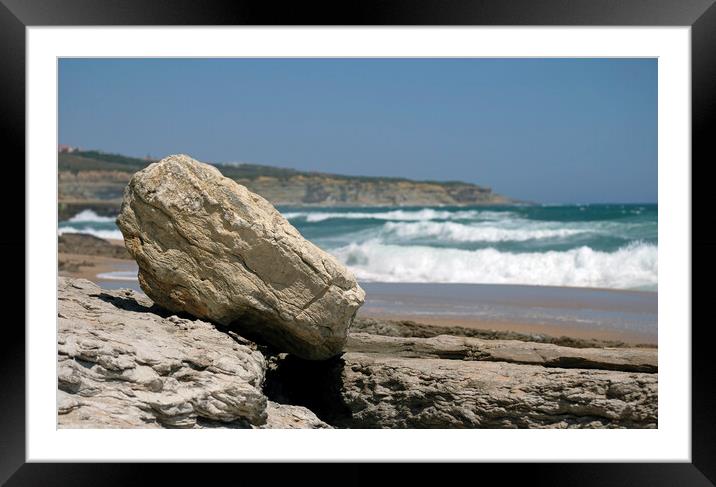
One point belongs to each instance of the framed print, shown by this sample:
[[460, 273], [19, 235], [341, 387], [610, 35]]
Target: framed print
[[408, 232]]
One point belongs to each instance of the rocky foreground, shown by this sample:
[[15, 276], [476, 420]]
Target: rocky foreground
[[126, 363]]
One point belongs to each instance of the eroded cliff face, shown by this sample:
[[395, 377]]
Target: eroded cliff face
[[337, 191], [104, 189], [89, 183]]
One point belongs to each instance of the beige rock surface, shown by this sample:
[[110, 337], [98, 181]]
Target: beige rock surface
[[514, 351], [286, 416], [388, 392], [125, 363], [207, 246], [120, 365], [459, 382]]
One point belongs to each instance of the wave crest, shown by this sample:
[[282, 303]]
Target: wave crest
[[425, 214], [86, 216], [634, 266], [458, 232]]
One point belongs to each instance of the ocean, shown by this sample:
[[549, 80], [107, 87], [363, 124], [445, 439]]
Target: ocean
[[600, 246]]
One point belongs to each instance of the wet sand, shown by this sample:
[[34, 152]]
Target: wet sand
[[84, 266], [525, 328], [603, 314], [89, 266]]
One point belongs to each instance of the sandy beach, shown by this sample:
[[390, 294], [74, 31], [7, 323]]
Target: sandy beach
[[584, 313], [587, 313], [88, 257], [552, 330]]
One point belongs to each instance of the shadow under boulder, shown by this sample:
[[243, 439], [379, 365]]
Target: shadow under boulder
[[316, 385]]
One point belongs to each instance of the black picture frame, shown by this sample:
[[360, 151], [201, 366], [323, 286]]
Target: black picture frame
[[700, 15]]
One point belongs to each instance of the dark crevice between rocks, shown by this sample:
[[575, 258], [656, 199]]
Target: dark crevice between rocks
[[213, 424], [194, 365], [87, 364], [585, 363], [313, 384], [291, 380], [69, 386]]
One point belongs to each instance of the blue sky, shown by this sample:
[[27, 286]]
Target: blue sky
[[546, 130]]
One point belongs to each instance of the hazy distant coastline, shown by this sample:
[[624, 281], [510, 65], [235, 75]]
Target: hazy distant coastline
[[92, 180]]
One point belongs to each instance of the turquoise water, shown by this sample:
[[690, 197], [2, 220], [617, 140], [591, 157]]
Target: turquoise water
[[605, 246]]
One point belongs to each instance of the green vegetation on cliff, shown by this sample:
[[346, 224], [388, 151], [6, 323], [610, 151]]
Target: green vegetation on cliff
[[95, 180], [75, 162]]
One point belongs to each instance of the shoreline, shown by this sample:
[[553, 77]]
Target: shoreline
[[120, 243], [550, 330], [87, 266], [556, 311]]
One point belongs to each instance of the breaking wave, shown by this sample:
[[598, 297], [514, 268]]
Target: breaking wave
[[606, 246], [458, 232], [90, 216], [119, 276], [634, 266], [425, 214]]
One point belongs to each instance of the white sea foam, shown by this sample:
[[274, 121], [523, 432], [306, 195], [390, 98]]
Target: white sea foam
[[631, 267], [396, 246], [101, 233], [119, 276], [476, 232], [90, 216], [425, 214]]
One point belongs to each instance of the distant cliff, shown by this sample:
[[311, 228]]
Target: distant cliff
[[95, 180]]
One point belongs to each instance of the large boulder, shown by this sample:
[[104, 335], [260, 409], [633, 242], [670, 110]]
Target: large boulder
[[207, 246]]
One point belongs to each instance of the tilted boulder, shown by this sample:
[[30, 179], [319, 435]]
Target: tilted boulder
[[207, 246]]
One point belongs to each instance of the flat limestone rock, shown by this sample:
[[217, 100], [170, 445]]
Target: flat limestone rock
[[207, 246], [396, 392], [461, 382], [121, 365], [124, 363], [514, 351]]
